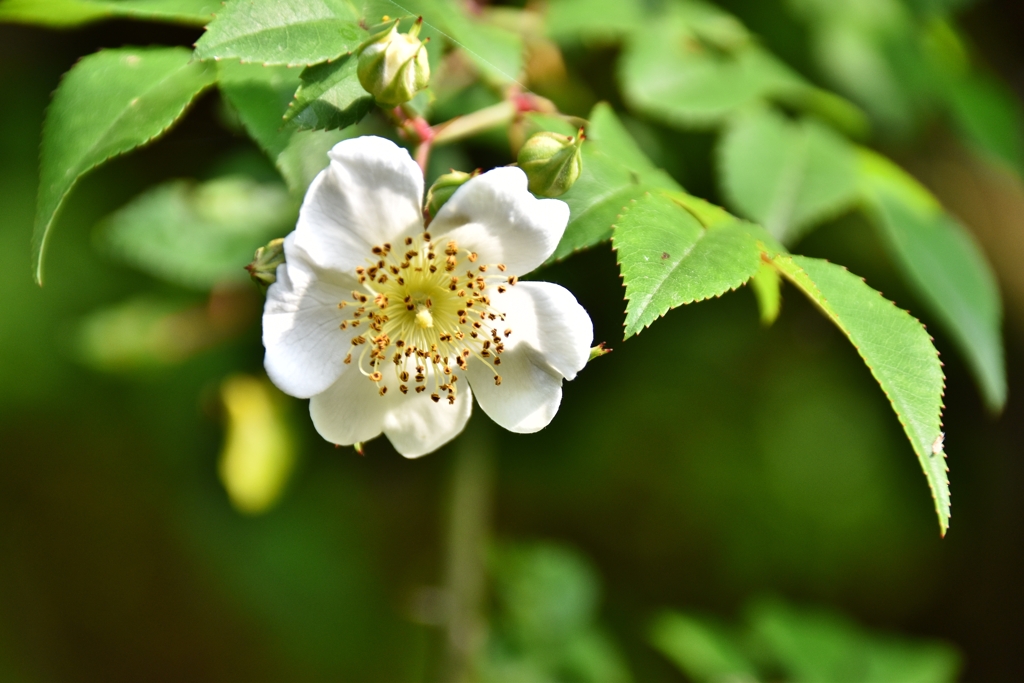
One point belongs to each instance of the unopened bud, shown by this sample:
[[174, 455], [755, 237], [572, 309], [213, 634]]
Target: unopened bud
[[263, 269], [393, 66], [552, 162], [598, 351], [443, 189]]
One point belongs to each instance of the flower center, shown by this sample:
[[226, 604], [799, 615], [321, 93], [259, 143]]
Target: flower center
[[424, 318]]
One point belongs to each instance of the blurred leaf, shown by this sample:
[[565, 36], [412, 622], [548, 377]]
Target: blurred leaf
[[896, 348], [667, 258], [143, 333], [68, 13], [812, 645], [705, 652], [615, 172], [944, 264], [785, 175], [991, 118], [670, 75], [767, 285], [259, 448], [285, 32], [109, 103], [330, 96], [261, 96], [592, 20], [543, 629], [199, 235]]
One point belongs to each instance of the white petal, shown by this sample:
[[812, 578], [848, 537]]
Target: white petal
[[353, 410], [528, 397], [350, 410], [419, 426], [547, 318], [371, 193], [496, 216], [550, 340], [305, 348]]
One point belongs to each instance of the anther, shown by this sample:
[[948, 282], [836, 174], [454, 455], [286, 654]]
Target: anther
[[376, 377], [404, 389], [383, 390], [497, 380], [435, 398]]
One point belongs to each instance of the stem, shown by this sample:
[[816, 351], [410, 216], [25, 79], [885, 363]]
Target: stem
[[466, 572], [462, 127]]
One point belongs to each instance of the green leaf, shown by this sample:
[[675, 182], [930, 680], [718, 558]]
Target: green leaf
[[667, 258], [615, 172], [261, 95], [990, 116], [68, 13], [815, 645], [198, 235], [330, 96], [702, 650], [283, 32], [945, 266], [668, 74], [592, 20], [109, 103], [898, 351], [785, 175]]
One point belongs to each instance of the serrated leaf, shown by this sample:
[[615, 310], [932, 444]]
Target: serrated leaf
[[261, 95], [615, 172], [897, 350], [282, 32], [109, 103], [330, 96], [945, 266], [198, 235], [670, 75], [68, 13], [786, 175], [667, 258]]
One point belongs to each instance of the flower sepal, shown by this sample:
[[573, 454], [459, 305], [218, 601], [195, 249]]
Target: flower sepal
[[263, 269]]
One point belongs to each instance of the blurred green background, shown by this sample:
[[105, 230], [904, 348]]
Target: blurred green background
[[709, 466]]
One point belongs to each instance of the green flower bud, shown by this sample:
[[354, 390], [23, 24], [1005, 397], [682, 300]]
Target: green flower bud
[[443, 189], [393, 66], [263, 269], [552, 162]]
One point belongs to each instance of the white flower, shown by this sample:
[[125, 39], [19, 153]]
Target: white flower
[[385, 327]]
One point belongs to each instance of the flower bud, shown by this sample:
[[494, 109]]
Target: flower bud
[[552, 162], [443, 189], [393, 66], [263, 269]]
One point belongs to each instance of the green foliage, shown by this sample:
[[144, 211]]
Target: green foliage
[[546, 600], [898, 351], [767, 286], [786, 175], [260, 96], [198, 235], [667, 258], [780, 642], [284, 32], [142, 333], [70, 13], [615, 172], [945, 266], [330, 96], [108, 104], [703, 650], [592, 20], [668, 74]]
